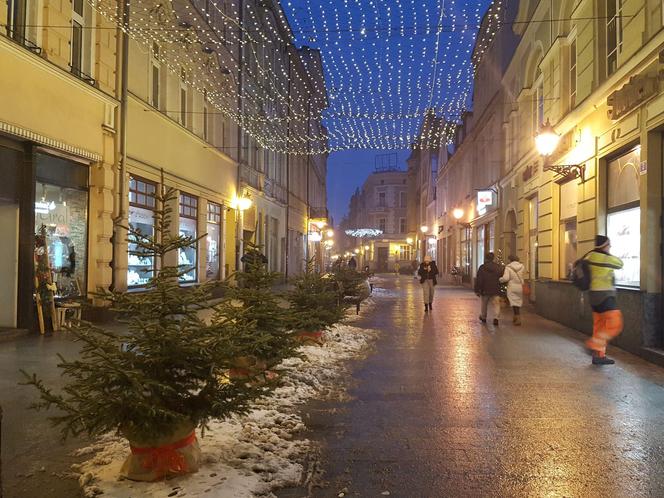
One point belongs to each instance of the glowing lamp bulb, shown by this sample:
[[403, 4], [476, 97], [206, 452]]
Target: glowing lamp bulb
[[547, 140]]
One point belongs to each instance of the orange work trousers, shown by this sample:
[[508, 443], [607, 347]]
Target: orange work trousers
[[606, 326]]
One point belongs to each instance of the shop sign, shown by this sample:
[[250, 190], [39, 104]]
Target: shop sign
[[484, 200], [637, 90], [643, 168]]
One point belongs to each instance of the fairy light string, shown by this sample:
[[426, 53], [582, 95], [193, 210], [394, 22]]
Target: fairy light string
[[389, 67]]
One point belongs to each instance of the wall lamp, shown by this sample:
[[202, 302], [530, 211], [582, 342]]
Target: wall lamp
[[546, 142]]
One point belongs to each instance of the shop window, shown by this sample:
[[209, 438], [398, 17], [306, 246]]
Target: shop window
[[62, 213], [492, 236], [142, 204], [466, 250], [187, 256], [213, 241], [480, 244], [533, 260], [623, 221], [568, 240], [405, 252]]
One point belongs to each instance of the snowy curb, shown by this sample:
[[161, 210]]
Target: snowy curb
[[245, 456]]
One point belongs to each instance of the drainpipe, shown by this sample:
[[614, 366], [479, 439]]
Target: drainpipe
[[122, 142], [239, 215]]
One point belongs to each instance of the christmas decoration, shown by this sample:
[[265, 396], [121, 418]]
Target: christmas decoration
[[166, 376], [254, 299], [315, 304], [386, 66]]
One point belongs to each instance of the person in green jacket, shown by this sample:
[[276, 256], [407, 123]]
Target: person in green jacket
[[607, 317]]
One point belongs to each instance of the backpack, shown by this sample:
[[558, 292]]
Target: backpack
[[581, 274]]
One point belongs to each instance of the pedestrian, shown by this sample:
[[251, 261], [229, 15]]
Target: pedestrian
[[513, 277], [487, 287], [253, 259], [607, 317], [397, 267], [352, 263], [428, 272]]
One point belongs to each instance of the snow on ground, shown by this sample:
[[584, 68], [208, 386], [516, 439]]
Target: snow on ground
[[245, 456]]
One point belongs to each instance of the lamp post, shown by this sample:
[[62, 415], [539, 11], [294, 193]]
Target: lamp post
[[546, 142]]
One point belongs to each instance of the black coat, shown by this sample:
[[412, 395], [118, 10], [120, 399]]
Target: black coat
[[428, 271], [253, 258], [487, 282]]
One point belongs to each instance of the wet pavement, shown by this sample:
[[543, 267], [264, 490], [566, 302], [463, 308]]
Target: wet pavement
[[443, 407], [35, 462], [449, 407]]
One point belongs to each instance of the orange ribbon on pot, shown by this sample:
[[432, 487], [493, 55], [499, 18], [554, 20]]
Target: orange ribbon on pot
[[165, 460]]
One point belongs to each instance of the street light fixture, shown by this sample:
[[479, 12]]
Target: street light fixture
[[546, 142], [243, 203], [366, 247], [409, 240], [330, 233], [424, 228], [458, 214]]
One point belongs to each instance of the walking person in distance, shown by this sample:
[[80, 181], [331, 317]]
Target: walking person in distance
[[513, 277], [607, 317], [428, 271], [487, 287]]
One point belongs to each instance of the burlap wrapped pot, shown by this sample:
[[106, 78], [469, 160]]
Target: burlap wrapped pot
[[167, 456]]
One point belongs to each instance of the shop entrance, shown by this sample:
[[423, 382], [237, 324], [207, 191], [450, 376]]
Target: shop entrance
[[383, 256], [10, 167]]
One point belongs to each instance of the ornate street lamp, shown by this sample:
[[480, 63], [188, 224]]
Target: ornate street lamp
[[458, 213], [546, 142]]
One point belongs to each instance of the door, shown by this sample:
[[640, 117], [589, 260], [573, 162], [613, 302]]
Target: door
[[9, 264], [383, 257]]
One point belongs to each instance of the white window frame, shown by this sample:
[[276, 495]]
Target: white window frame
[[184, 98], [573, 73], [611, 51], [155, 67], [84, 21]]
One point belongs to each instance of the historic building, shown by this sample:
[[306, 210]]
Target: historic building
[[591, 74], [95, 120], [380, 205]]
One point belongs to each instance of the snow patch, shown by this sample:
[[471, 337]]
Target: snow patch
[[245, 456]]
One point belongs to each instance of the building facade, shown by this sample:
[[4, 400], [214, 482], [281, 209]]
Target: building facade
[[381, 204], [592, 70], [95, 120]]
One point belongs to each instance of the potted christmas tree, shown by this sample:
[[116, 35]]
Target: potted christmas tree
[[315, 305], [162, 379], [254, 297]]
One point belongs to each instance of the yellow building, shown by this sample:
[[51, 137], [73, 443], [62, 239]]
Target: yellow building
[[58, 125], [593, 71], [95, 120]]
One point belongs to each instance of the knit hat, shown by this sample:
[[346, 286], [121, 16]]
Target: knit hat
[[427, 259], [601, 241]]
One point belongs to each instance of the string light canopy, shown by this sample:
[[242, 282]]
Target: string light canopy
[[316, 76]]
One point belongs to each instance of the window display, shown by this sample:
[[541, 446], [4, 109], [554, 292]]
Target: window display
[[568, 211], [623, 220], [141, 217], [187, 256], [213, 241], [64, 214]]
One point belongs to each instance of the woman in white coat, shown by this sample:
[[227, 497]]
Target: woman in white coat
[[513, 277]]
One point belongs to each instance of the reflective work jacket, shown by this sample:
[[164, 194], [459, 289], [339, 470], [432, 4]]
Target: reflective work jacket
[[602, 266]]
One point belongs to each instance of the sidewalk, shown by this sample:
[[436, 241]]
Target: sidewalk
[[449, 407]]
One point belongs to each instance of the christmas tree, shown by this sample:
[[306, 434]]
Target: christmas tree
[[254, 298], [314, 301], [167, 375]]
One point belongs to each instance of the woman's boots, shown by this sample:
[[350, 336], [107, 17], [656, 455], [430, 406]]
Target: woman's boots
[[516, 320]]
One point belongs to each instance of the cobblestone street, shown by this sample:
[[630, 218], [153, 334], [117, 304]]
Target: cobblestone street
[[448, 407]]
